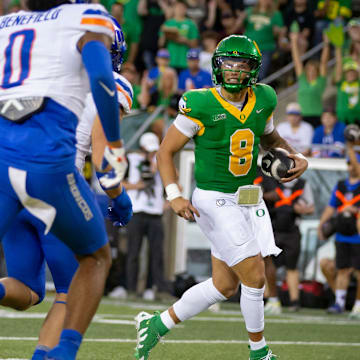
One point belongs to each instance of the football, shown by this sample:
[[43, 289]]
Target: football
[[276, 163], [352, 133]]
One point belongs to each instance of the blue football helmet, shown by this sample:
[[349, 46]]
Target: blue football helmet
[[118, 47], [80, 1]]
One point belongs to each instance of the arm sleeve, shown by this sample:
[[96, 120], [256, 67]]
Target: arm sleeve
[[269, 127], [97, 62], [186, 126]]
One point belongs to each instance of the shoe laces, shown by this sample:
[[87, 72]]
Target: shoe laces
[[269, 356]]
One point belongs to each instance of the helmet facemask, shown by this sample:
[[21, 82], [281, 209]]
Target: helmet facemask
[[246, 70], [118, 46]]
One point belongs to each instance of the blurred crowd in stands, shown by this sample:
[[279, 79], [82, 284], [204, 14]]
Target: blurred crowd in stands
[[170, 44]]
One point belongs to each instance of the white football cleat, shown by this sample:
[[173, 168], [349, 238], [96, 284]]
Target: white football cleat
[[272, 308], [355, 313]]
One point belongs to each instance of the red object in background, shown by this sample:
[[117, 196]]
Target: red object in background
[[307, 286], [312, 287], [284, 286]]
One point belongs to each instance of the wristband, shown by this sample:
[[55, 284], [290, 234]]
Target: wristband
[[172, 192]]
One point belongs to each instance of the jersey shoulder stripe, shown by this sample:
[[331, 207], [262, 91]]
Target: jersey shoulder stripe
[[198, 123], [125, 92], [97, 20], [125, 84]]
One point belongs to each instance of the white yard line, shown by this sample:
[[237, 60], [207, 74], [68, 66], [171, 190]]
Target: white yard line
[[311, 343], [118, 319]]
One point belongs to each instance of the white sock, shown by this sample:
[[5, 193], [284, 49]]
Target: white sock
[[357, 303], [167, 319], [273, 299], [197, 299], [252, 308], [340, 297], [257, 345]]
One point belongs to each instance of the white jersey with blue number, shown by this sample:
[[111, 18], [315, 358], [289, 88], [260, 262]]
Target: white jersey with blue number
[[125, 96], [39, 55]]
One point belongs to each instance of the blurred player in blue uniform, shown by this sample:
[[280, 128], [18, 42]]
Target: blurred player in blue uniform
[[27, 248], [48, 59]]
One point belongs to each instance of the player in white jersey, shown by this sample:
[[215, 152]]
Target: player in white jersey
[[26, 248], [48, 57], [84, 129]]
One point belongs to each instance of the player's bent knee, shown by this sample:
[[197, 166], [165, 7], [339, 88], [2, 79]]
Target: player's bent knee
[[227, 291], [102, 257], [24, 304], [326, 264], [19, 296], [21, 307], [251, 271], [257, 281]]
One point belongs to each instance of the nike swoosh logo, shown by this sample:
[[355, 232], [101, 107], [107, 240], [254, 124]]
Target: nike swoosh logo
[[111, 93], [259, 111]]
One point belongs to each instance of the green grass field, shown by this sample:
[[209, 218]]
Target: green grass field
[[309, 334]]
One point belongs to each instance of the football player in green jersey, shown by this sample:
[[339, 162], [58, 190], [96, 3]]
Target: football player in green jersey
[[227, 123]]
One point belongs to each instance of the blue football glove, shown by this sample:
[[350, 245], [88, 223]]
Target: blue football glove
[[120, 211]]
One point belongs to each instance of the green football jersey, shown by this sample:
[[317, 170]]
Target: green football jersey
[[227, 144]]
